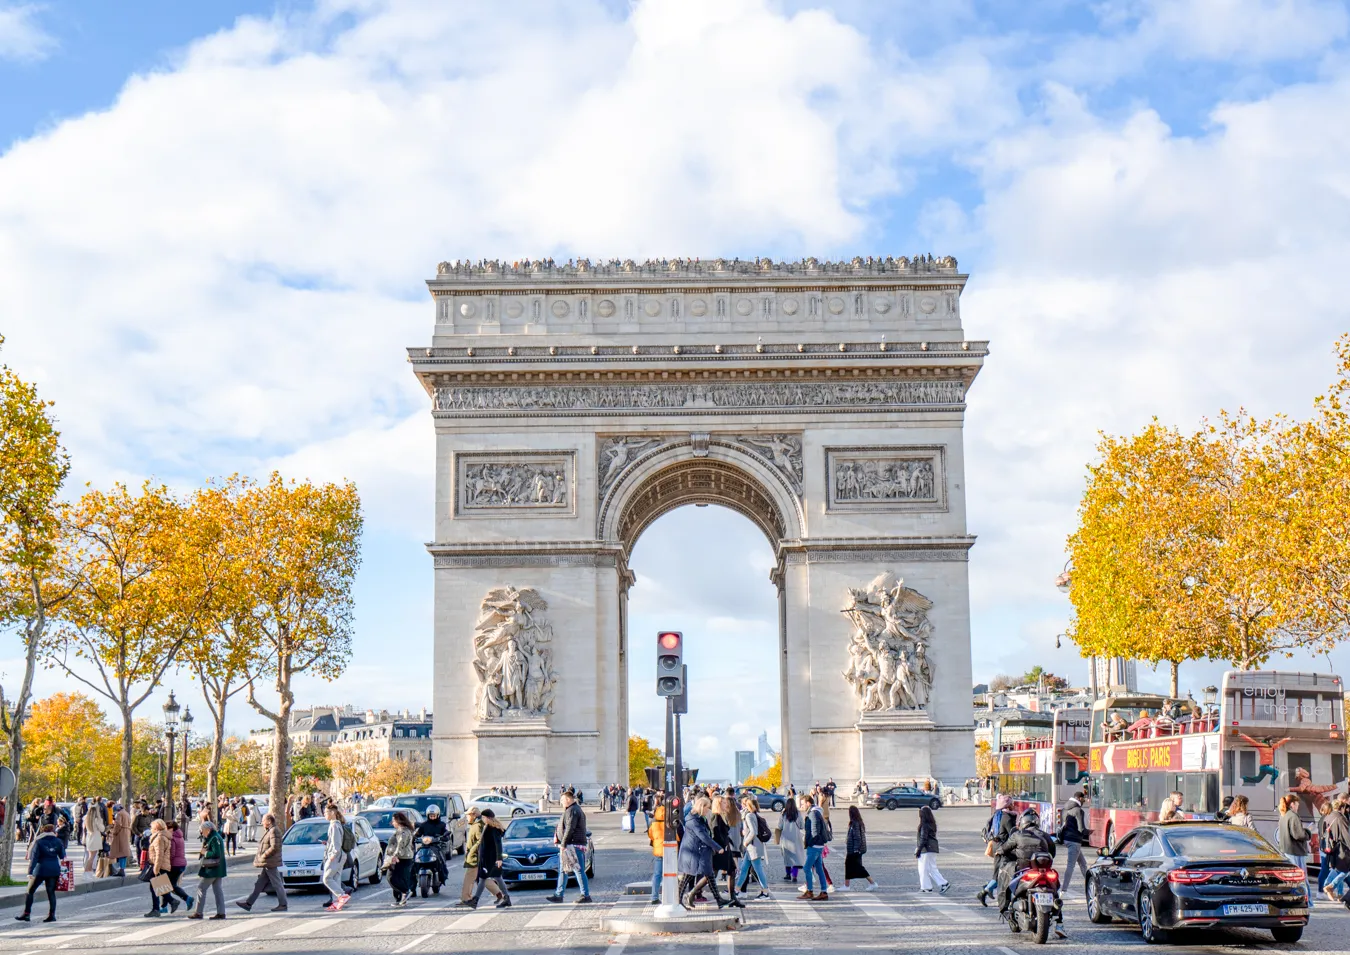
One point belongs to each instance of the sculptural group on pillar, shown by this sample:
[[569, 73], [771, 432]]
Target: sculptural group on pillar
[[888, 649], [511, 656]]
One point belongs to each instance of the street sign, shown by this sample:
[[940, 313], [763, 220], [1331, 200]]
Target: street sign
[[682, 700], [6, 781]]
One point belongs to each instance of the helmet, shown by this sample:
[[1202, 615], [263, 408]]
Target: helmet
[[1029, 819], [432, 812]]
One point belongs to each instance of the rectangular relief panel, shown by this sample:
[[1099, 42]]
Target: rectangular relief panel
[[887, 478], [515, 483]]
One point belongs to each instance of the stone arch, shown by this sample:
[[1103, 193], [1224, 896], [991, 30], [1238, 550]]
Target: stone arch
[[710, 471]]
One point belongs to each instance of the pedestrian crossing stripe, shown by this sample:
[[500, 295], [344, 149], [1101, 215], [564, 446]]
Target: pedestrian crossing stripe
[[877, 909]]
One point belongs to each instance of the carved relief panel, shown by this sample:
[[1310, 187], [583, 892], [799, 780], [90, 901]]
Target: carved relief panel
[[519, 483], [887, 478]]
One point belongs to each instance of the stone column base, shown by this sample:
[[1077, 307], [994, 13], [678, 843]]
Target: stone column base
[[895, 745], [513, 751]]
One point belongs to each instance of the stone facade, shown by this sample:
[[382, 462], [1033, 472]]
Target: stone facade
[[575, 404]]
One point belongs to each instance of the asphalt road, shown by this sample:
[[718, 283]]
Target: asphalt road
[[896, 918]]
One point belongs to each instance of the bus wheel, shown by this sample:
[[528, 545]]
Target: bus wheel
[[1109, 835]]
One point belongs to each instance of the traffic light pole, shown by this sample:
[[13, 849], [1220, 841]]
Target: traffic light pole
[[670, 880]]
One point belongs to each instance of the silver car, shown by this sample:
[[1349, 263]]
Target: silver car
[[502, 806], [302, 851], [381, 821]]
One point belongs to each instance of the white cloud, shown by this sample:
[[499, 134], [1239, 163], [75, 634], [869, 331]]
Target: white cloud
[[22, 37]]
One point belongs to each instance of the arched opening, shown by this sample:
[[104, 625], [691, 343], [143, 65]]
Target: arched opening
[[704, 570]]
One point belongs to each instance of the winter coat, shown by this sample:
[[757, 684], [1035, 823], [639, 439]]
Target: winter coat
[[794, 853], [120, 844], [473, 837], [724, 859], [400, 846], [856, 842], [268, 855], [333, 848], [1075, 827], [94, 828], [927, 836], [750, 843], [45, 855], [161, 851], [1293, 835], [697, 847], [212, 855], [571, 829], [179, 855], [231, 823], [633, 800], [656, 832], [815, 828], [490, 851], [1337, 843]]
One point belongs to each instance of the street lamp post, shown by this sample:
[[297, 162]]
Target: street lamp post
[[171, 710], [187, 728]]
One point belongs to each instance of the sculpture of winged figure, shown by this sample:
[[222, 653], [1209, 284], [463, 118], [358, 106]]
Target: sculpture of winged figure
[[514, 667], [888, 666]]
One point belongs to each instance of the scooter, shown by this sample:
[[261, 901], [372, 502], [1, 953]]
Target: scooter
[[1035, 901], [427, 862]]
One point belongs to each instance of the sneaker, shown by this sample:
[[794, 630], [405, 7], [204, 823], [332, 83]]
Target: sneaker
[[763, 895], [502, 904], [279, 908], [655, 901], [152, 914], [50, 918], [173, 906], [22, 918], [218, 917], [945, 887], [686, 900], [246, 906], [395, 904], [465, 903], [871, 887], [584, 900], [553, 898], [342, 900], [840, 888]]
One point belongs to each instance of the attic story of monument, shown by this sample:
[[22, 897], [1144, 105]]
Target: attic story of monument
[[574, 404]]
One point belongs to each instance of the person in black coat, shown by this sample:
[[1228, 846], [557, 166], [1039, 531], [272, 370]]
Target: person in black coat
[[926, 851], [1026, 841], [490, 856], [696, 855], [44, 869]]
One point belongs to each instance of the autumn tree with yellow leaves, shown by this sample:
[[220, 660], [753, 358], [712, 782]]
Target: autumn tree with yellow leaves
[[70, 748]]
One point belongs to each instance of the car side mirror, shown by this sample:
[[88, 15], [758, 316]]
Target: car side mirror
[[1103, 852]]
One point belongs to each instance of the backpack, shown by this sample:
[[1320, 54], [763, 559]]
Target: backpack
[[991, 827], [762, 832], [348, 838]]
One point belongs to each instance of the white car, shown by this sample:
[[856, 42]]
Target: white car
[[502, 806], [302, 854]]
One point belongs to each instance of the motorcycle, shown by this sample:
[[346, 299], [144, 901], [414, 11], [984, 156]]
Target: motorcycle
[[1035, 901], [428, 859]]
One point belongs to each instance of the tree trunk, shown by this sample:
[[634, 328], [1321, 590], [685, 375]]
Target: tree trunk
[[217, 707], [32, 635], [1176, 689], [126, 756]]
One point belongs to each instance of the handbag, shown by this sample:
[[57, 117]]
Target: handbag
[[161, 885], [989, 850], [65, 882], [104, 867], [146, 874], [778, 835]]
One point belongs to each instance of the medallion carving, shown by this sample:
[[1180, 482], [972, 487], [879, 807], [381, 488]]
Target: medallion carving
[[888, 666]]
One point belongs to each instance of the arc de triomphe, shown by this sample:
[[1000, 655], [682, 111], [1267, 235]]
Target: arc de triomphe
[[575, 404]]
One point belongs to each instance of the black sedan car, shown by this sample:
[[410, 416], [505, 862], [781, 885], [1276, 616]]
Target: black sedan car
[[772, 801], [901, 797], [1175, 875], [530, 854]]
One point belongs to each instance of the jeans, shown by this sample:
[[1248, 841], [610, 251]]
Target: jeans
[[1075, 852], [47, 882], [265, 878], [815, 865], [658, 873], [217, 889], [1324, 872], [632, 821], [582, 883], [1302, 863], [757, 865]]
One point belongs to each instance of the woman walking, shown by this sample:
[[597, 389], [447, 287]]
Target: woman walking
[[790, 841], [177, 864], [927, 853], [855, 847], [159, 860], [44, 869], [753, 847], [1293, 837], [490, 855], [230, 826], [120, 844], [333, 859], [1238, 814], [398, 856], [211, 873], [726, 832], [696, 856], [95, 826]]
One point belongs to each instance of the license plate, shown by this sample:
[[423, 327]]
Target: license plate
[[533, 876], [1043, 898], [1246, 910]]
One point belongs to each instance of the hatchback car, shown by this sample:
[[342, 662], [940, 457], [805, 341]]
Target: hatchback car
[[302, 854], [529, 853], [899, 797], [381, 821], [502, 805], [1167, 876], [452, 810]]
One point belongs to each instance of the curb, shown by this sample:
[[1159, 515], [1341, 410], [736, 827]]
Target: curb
[[12, 896]]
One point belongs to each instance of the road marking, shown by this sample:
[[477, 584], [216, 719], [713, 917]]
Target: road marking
[[878, 910], [150, 932], [222, 948], [1006, 951], [238, 928], [617, 946], [396, 923], [414, 943], [726, 944], [311, 925], [798, 912], [472, 922], [551, 918], [952, 911], [55, 939]]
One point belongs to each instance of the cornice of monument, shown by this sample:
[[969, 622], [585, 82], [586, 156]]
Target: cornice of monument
[[658, 273]]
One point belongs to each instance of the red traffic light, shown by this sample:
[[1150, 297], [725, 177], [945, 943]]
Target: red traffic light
[[669, 641]]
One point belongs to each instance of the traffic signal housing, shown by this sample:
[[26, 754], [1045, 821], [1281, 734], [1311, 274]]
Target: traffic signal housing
[[669, 663]]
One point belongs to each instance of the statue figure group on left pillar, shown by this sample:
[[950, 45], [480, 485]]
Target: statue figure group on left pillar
[[511, 656]]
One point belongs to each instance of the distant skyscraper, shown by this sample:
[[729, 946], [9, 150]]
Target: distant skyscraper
[[745, 765], [763, 750], [1116, 673]]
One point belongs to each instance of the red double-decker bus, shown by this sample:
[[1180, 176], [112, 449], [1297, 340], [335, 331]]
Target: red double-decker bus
[[1042, 760], [1265, 733]]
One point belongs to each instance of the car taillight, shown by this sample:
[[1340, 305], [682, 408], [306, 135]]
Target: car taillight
[[1288, 875], [1193, 876]]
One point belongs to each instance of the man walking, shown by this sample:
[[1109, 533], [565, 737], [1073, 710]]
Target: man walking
[[570, 837], [1074, 835], [267, 860]]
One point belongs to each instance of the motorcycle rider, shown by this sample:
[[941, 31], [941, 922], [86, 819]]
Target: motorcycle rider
[[1000, 826], [1017, 851], [434, 826]]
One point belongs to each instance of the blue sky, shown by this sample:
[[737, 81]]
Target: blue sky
[[216, 218]]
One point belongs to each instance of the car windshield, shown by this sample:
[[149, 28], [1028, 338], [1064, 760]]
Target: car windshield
[[307, 834], [532, 827], [422, 803], [380, 819], [1219, 843]]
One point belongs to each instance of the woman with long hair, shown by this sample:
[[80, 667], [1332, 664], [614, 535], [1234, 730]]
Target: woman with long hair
[[696, 856], [753, 848], [789, 831], [398, 856], [927, 853], [726, 831], [1237, 812], [855, 848], [333, 859]]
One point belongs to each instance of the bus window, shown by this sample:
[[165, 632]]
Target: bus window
[[1301, 761], [1097, 716], [1246, 763]]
